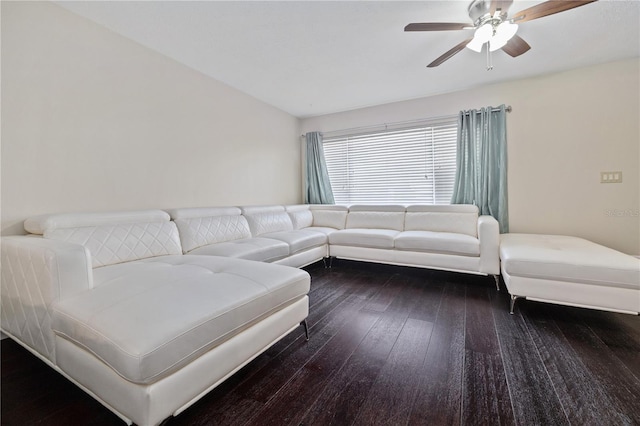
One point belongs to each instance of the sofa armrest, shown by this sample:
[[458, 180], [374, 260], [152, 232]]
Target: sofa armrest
[[489, 236], [37, 272]]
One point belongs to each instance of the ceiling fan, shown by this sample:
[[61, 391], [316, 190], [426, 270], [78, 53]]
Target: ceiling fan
[[493, 27]]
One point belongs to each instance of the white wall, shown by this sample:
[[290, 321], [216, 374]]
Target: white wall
[[564, 130], [94, 121]]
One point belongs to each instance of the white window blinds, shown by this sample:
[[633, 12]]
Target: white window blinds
[[405, 166]]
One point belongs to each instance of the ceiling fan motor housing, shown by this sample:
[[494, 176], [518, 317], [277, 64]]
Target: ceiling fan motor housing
[[480, 11]]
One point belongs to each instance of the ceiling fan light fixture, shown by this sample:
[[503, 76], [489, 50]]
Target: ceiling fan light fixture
[[475, 45], [483, 34], [504, 32]]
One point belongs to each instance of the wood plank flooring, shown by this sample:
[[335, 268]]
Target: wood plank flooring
[[395, 346]]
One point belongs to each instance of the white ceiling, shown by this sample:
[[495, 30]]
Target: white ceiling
[[317, 57]]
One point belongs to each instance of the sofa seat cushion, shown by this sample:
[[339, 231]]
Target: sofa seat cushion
[[438, 242], [374, 238], [260, 249], [299, 240], [322, 229], [146, 319], [564, 258]]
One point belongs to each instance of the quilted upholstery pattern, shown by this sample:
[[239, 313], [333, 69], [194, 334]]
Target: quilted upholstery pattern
[[122, 243], [36, 273], [200, 231], [21, 276]]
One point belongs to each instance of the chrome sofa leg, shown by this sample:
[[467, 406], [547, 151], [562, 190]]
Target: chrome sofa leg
[[497, 279], [324, 261], [306, 329], [513, 303]]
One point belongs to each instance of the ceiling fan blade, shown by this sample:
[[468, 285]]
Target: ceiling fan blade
[[516, 46], [503, 5], [436, 26], [547, 8], [449, 53]]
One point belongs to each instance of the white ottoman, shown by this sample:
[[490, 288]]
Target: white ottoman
[[569, 271]]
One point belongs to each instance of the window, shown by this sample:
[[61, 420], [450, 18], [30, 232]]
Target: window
[[404, 166]]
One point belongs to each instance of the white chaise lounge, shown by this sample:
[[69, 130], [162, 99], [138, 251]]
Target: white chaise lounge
[[569, 271], [110, 301]]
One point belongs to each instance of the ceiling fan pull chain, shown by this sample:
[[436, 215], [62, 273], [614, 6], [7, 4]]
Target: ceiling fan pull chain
[[489, 63]]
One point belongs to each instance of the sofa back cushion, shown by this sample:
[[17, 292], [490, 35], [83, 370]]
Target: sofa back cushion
[[266, 219], [300, 216], [376, 217], [203, 226], [193, 212], [329, 216], [115, 237], [39, 224], [455, 218]]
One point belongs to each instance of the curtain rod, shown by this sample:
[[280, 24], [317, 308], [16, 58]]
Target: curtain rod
[[398, 123], [507, 109], [384, 126]]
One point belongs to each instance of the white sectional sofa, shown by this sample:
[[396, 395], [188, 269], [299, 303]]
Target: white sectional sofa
[[149, 310], [451, 237]]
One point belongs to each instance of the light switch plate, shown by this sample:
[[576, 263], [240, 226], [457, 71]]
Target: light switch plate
[[610, 177]]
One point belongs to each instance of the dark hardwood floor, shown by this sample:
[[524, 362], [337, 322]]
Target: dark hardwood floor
[[396, 346]]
